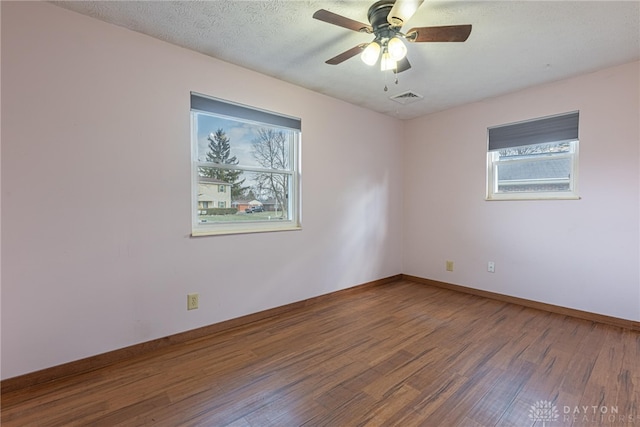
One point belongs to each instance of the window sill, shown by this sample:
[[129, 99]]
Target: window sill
[[243, 230], [530, 196]]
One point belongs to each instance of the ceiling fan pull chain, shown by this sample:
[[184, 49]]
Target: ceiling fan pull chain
[[385, 81]]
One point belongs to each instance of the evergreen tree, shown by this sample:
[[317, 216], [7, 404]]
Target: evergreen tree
[[220, 152]]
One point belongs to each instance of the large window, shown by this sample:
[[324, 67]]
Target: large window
[[535, 159], [246, 162]]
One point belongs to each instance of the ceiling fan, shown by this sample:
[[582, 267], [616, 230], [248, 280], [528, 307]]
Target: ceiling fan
[[386, 18]]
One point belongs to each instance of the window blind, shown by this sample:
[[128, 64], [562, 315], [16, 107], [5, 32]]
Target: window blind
[[237, 111], [562, 127]]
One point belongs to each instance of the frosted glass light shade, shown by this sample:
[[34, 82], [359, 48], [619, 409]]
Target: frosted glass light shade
[[370, 53], [387, 62], [396, 49]]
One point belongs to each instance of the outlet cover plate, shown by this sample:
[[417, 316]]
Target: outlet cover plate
[[192, 301], [491, 267]]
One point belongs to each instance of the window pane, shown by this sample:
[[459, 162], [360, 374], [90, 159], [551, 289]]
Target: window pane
[[534, 168], [535, 174], [263, 196], [250, 145]]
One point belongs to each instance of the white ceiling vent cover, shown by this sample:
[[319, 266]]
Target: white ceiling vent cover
[[406, 97]]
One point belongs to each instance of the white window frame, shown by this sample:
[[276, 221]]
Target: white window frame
[[245, 114], [494, 161]]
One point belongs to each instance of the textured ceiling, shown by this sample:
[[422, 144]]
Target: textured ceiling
[[513, 44]]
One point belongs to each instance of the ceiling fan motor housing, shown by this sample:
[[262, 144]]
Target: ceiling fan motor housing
[[377, 15]]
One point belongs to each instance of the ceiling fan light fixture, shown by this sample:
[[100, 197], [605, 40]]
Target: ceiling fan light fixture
[[389, 46], [387, 62], [402, 11], [370, 53], [397, 49]]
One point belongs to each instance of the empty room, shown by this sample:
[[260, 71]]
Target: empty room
[[320, 213]]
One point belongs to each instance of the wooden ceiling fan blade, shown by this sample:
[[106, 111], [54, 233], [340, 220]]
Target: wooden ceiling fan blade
[[448, 33], [402, 11], [342, 21], [403, 65], [347, 54]]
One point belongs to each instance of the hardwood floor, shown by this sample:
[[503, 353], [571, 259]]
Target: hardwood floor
[[397, 354]]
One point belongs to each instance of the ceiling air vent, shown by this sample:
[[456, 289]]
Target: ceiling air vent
[[406, 97]]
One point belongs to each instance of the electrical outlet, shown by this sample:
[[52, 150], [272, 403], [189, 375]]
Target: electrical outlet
[[491, 267], [449, 265], [192, 301]]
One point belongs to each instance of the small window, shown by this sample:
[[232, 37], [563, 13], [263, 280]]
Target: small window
[[535, 159], [248, 157]]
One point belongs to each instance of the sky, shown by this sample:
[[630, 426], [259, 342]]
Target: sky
[[240, 135]]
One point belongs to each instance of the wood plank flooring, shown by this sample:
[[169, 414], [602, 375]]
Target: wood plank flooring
[[400, 354]]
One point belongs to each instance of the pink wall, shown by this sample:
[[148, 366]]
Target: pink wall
[[580, 254], [96, 253]]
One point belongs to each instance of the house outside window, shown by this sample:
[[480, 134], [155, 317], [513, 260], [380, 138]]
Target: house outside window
[[210, 196], [534, 159], [253, 157]]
